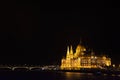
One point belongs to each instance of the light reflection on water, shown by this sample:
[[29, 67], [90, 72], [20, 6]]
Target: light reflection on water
[[77, 76], [87, 76], [56, 76]]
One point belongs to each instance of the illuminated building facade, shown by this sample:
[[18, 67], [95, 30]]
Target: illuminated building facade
[[80, 59]]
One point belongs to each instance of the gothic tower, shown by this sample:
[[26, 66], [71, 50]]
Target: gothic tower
[[71, 52], [68, 53]]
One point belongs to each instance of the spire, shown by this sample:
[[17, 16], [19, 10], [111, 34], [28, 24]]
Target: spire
[[80, 41], [71, 50], [67, 49]]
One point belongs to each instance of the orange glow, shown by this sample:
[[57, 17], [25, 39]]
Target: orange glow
[[78, 59]]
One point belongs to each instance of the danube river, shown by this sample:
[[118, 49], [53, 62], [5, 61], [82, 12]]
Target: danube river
[[55, 76]]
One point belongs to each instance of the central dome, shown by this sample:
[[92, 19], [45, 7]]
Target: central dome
[[80, 48]]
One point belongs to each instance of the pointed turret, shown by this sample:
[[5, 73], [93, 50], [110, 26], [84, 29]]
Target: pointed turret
[[68, 53], [68, 50], [71, 50]]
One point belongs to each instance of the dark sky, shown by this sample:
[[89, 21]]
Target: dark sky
[[41, 34]]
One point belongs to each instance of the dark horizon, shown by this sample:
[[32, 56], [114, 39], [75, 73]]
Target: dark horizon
[[41, 35]]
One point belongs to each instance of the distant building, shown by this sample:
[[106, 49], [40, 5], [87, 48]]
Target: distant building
[[80, 59]]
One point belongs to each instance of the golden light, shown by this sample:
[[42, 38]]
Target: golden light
[[92, 57], [108, 63], [113, 65], [104, 57], [78, 59], [95, 57]]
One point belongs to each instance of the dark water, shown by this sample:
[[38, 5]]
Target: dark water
[[55, 76]]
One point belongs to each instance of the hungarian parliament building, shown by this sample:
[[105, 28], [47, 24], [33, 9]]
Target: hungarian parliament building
[[81, 59]]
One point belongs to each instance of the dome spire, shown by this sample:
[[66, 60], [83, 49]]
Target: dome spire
[[80, 41]]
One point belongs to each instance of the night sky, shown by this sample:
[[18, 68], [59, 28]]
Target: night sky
[[41, 34]]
